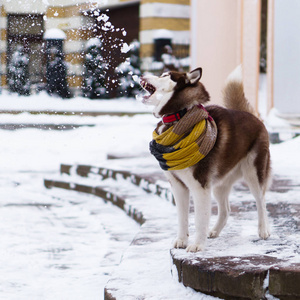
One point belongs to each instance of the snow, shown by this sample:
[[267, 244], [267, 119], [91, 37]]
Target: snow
[[162, 34], [53, 243], [54, 34], [56, 245], [93, 42], [285, 159], [125, 48], [42, 102], [66, 245]]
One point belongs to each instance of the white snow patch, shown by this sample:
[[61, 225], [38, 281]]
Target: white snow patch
[[54, 34], [125, 48], [93, 42], [43, 102], [163, 34]]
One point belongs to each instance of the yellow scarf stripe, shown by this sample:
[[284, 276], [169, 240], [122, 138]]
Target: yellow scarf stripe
[[167, 138], [185, 162], [183, 153], [193, 136]]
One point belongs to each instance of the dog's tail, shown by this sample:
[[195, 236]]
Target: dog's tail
[[233, 92]]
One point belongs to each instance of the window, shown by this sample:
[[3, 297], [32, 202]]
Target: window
[[27, 31]]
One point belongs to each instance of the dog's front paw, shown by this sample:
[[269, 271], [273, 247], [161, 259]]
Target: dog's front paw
[[264, 233], [180, 243], [195, 248]]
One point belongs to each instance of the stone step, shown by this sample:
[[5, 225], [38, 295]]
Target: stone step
[[109, 193], [231, 277], [146, 182]]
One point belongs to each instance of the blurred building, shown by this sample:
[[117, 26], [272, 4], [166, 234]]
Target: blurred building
[[153, 23], [217, 35], [227, 34], [262, 35]]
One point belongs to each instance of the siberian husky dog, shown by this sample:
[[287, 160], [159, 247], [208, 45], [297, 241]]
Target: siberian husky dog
[[239, 148]]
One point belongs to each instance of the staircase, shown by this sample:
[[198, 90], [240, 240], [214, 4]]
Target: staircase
[[147, 199]]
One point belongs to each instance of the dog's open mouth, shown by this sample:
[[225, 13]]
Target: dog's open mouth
[[149, 88]]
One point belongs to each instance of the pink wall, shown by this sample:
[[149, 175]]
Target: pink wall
[[226, 34], [251, 49]]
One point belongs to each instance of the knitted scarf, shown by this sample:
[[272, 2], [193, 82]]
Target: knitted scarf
[[187, 142]]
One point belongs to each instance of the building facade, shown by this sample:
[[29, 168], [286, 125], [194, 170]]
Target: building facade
[[232, 32], [115, 22], [227, 34]]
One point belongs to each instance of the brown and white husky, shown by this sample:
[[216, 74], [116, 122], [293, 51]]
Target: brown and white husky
[[240, 150]]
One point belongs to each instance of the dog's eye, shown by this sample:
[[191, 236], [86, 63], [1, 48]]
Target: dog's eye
[[164, 74]]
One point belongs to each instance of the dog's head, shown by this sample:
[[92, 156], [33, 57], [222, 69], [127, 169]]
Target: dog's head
[[173, 91]]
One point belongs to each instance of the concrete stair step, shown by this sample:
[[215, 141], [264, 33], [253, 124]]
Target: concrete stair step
[[108, 191], [146, 181]]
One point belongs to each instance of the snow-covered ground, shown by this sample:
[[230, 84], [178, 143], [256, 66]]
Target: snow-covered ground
[[63, 245], [57, 244], [42, 102], [54, 244]]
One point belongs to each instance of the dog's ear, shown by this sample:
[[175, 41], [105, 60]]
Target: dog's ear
[[194, 76]]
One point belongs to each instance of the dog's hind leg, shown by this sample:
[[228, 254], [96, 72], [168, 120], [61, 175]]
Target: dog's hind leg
[[258, 188], [221, 193], [182, 200]]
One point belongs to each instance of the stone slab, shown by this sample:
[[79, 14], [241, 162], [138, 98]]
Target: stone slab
[[285, 282], [227, 277]]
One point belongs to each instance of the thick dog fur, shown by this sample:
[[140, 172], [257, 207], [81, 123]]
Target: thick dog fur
[[241, 151]]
